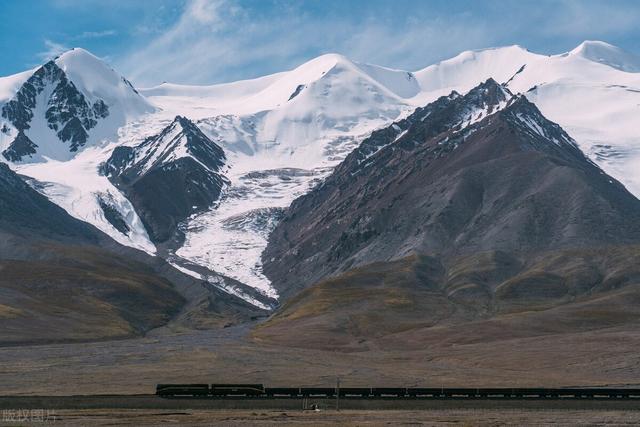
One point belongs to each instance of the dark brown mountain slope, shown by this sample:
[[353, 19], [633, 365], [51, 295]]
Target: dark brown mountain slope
[[63, 280], [512, 182], [419, 301], [164, 186]]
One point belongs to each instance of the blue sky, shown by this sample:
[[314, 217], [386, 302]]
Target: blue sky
[[211, 41]]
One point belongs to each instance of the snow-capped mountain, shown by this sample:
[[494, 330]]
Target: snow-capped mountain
[[281, 134], [70, 102], [451, 189], [88, 138], [452, 111], [169, 176], [593, 92], [589, 93], [57, 121]]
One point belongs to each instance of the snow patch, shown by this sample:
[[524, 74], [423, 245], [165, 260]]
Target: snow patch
[[76, 186]]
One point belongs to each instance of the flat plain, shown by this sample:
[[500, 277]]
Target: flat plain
[[225, 418], [601, 357]]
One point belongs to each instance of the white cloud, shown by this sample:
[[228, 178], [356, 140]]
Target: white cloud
[[417, 44], [204, 11], [217, 40], [220, 40], [96, 34], [52, 49], [182, 51], [591, 19]]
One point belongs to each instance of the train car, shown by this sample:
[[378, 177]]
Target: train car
[[527, 393], [493, 392], [389, 391], [282, 391], [237, 390], [355, 391], [573, 393], [175, 390], [632, 393], [425, 392], [317, 391], [611, 393], [460, 392]]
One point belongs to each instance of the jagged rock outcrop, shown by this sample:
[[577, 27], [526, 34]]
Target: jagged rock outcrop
[[20, 147], [169, 176], [68, 112]]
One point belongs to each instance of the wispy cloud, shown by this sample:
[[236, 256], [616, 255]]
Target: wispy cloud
[[52, 49], [96, 34], [224, 40], [592, 19], [216, 40]]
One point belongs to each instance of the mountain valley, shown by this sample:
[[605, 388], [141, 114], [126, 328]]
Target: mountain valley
[[339, 208]]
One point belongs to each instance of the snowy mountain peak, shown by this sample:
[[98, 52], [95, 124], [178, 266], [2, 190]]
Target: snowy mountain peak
[[451, 112], [169, 176], [70, 102], [401, 83], [78, 56], [328, 60], [607, 54], [335, 77], [95, 78], [490, 92], [525, 116], [474, 54], [180, 139], [319, 67], [482, 101], [465, 70]]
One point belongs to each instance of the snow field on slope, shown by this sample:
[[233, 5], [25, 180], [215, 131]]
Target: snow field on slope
[[75, 185], [72, 180], [593, 92], [596, 104], [275, 156], [230, 239]]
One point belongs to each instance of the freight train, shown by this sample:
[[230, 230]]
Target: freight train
[[259, 391]]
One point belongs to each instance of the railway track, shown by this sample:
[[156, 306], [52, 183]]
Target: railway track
[[151, 401]]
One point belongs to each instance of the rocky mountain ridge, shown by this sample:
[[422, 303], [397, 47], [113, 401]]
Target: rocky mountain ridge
[[300, 123], [68, 112], [169, 176], [512, 181]]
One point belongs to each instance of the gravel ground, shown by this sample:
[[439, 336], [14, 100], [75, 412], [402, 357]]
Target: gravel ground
[[194, 418], [599, 358]]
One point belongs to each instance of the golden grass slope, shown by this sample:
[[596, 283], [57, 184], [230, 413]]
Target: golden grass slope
[[488, 296]]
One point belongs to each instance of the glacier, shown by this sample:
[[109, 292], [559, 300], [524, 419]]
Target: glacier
[[284, 133]]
